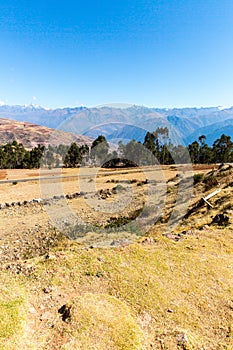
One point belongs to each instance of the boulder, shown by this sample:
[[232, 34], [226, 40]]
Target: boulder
[[221, 219]]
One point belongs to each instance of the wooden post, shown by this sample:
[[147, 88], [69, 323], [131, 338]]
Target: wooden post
[[209, 196]]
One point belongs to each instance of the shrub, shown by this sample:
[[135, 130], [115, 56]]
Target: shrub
[[126, 221], [140, 183], [117, 222], [133, 181], [119, 188], [210, 182], [112, 181], [197, 178]]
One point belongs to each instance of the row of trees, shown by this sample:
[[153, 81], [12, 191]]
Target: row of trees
[[220, 152], [15, 156], [156, 148]]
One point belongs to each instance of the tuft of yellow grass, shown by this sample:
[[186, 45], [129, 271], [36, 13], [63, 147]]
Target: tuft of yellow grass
[[12, 312], [101, 321]]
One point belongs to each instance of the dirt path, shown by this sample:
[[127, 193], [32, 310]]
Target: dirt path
[[19, 185]]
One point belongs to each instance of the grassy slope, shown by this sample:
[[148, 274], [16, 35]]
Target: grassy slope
[[164, 295], [154, 294]]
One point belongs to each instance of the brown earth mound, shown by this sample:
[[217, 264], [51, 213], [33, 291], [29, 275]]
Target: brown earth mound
[[30, 135]]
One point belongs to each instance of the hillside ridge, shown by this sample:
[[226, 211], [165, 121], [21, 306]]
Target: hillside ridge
[[30, 134]]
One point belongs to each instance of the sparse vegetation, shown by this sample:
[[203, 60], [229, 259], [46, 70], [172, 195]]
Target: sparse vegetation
[[170, 291], [106, 318], [133, 181], [141, 183], [12, 311], [210, 182], [128, 298], [197, 178], [118, 221], [112, 181], [119, 188]]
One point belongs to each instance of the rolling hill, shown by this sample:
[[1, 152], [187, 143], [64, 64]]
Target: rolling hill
[[30, 135]]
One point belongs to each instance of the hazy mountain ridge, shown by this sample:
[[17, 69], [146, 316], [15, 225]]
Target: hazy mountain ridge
[[50, 118], [184, 124], [213, 131]]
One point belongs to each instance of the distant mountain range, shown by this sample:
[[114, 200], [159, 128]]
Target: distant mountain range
[[185, 124]]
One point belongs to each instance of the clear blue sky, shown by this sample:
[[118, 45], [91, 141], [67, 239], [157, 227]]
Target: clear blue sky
[[170, 53]]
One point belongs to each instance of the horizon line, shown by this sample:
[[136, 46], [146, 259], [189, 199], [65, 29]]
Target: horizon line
[[114, 105]]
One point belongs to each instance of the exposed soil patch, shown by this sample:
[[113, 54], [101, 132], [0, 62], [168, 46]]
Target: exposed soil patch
[[3, 174]]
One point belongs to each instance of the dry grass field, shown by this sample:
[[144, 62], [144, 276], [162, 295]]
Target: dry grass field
[[167, 285]]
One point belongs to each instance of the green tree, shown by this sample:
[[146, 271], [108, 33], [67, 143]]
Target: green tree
[[73, 156], [180, 154], [149, 142], [193, 149], [223, 149], [20, 153], [35, 156], [205, 152], [157, 143], [99, 149]]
